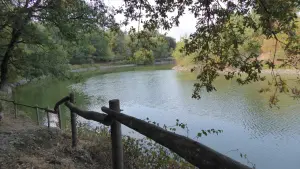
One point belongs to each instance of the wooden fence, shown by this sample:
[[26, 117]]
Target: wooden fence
[[36, 108], [192, 151]]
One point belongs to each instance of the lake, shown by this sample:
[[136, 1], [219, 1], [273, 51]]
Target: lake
[[268, 136]]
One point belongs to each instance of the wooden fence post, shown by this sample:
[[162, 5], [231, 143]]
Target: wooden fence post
[[15, 106], [48, 117], [37, 115], [16, 109], [59, 117], [116, 138], [73, 123]]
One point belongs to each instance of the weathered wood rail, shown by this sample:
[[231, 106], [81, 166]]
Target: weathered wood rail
[[192, 151], [37, 108]]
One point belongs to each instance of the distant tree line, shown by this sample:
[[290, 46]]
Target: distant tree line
[[106, 46]]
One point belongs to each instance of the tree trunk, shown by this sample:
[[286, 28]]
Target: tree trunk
[[18, 27], [4, 71], [4, 65]]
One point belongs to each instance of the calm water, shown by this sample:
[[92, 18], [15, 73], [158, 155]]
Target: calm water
[[269, 136]]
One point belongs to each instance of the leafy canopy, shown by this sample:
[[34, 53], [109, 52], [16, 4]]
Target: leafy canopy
[[35, 34]]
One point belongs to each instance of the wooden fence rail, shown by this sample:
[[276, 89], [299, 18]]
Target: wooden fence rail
[[29, 106], [192, 151], [37, 108]]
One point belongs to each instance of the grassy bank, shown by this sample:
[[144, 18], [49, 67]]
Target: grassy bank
[[97, 65], [87, 74]]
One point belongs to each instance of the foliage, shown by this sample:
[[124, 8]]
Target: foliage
[[117, 46], [180, 56], [143, 152], [32, 61], [25, 27], [62, 32], [171, 42], [152, 155], [161, 49], [143, 57], [92, 47], [159, 44], [119, 42]]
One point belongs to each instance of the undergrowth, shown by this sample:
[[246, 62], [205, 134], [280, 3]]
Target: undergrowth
[[144, 152]]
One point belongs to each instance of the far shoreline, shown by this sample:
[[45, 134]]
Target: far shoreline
[[264, 71]]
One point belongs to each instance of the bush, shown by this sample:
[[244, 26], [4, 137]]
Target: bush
[[138, 153], [143, 57]]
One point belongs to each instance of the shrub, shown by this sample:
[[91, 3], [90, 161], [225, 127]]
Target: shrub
[[143, 57]]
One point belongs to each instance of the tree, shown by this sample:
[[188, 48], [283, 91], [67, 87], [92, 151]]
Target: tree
[[117, 42], [71, 18], [171, 42], [92, 47], [143, 57], [32, 61], [150, 40], [161, 48], [180, 56], [100, 41]]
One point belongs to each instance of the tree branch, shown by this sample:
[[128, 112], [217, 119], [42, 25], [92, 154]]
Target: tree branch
[[269, 13], [77, 17], [264, 6], [26, 4], [276, 38], [20, 41]]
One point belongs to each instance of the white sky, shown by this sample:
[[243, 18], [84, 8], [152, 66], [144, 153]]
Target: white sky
[[186, 26]]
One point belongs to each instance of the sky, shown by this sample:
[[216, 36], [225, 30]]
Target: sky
[[186, 26]]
